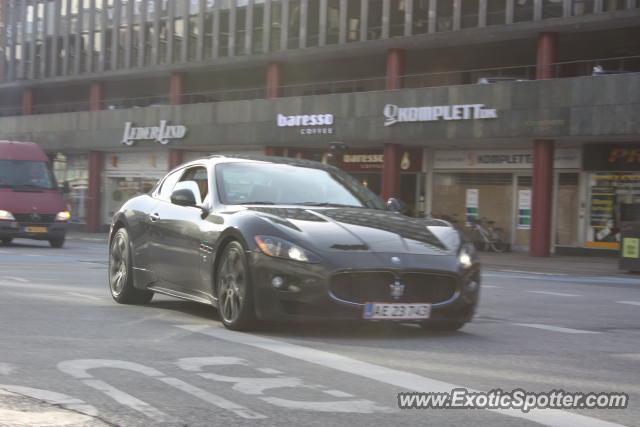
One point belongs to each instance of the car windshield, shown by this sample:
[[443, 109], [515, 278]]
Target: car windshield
[[26, 174], [285, 184]]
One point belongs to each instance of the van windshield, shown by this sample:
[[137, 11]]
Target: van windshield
[[26, 174]]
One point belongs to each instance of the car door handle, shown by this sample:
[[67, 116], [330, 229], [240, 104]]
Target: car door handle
[[154, 217]]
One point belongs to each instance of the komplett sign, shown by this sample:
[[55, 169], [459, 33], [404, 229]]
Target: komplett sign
[[162, 133], [395, 114]]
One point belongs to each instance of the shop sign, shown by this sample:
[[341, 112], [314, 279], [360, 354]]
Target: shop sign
[[395, 114], [472, 203], [524, 209], [611, 157], [410, 161], [309, 124], [162, 133], [564, 158]]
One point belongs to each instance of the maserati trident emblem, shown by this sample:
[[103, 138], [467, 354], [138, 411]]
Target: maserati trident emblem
[[396, 289]]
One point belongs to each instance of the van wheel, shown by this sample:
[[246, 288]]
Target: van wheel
[[7, 241], [57, 243]]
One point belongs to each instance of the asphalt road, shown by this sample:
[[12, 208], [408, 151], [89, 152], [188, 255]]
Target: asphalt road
[[69, 355]]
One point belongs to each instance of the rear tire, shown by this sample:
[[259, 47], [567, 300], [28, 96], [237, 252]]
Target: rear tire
[[442, 325], [57, 243], [6, 241], [234, 289], [121, 272]]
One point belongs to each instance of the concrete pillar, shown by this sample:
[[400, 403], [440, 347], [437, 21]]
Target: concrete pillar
[[541, 202], [274, 79], [175, 158], [391, 171], [93, 192], [395, 69], [176, 88], [96, 96], [547, 55], [27, 101]]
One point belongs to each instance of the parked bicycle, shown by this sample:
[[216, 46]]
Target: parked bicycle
[[488, 237]]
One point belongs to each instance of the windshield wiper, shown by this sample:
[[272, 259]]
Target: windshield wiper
[[334, 205]]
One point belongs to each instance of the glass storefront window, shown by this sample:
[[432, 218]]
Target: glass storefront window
[[613, 197], [72, 174]]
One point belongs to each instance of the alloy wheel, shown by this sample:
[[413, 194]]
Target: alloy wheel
[[231, 285]]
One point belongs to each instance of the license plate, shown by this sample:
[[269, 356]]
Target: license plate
[[36, 229], [374, 310]]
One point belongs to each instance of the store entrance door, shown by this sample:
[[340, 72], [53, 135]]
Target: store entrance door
[[523, 189]]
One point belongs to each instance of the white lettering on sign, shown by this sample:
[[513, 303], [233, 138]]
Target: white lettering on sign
[[306, 121], [162, 133], [395, 114]]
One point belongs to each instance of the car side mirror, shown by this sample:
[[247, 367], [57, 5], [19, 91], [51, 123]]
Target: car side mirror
[[396, 205], [183, 197]]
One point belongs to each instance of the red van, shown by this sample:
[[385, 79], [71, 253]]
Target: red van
[[31, 204]]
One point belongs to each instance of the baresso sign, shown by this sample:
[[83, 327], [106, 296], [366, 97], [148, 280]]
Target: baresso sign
[[611, 157], [395, 114], [161, 134]]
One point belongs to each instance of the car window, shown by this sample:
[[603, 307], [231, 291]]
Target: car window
[[199, 175], [168, 184]]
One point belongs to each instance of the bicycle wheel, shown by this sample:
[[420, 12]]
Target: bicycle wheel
[[497, 241]]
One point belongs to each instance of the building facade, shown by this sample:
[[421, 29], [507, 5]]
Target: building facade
[[521, 111]]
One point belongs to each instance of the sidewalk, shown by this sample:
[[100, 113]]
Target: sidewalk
[[516, 261]]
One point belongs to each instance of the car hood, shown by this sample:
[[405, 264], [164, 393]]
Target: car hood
[[27, 201], [345, 229]]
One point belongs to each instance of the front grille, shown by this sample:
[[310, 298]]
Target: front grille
[[26, 219], [362, 287]]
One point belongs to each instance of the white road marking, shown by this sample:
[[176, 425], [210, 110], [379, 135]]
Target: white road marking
[[557, 294], [347, 406], [58, 418], [269, 371], [555, 328], [535, 272], [6, 369], [17, 279], [91, 297], [401, 379], [629, 302], [79, 369], [491, 286], [337, 393], [53, 398]]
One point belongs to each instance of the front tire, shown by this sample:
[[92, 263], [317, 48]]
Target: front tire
[[57, 242], [121, 272], [234, 290]]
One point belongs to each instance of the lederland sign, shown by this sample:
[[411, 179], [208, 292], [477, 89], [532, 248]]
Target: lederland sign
[[395, 114], [162, 133]]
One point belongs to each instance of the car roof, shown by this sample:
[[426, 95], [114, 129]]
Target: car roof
[[253, 158], [14, 150]]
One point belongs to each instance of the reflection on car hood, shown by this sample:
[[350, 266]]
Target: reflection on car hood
[[344, 229]]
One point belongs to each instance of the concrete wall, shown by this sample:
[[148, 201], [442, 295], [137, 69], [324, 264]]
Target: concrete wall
[[583, 108]]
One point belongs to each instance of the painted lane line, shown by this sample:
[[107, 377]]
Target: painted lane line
[[629, 302], [604, 280], [535, 272], [491, 286], [557, 294], [338, 393], [53, 398], [91, 297], [79, 369], [555, 328], [17, 279], [270, 371], [401, 379]]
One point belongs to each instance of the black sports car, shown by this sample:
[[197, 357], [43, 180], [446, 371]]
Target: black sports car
[[267, 238]]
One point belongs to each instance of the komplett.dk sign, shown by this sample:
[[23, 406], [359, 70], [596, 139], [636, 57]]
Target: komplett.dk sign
[[395, 114]]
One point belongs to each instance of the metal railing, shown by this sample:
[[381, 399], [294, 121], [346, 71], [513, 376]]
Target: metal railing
[[518, 73]]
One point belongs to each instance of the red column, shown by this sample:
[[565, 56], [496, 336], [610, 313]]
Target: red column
[[96, 95], [541, 202], [395, 69], [27, 101], [391, 171], [175, 158], [93, 193], [547, 54], [271, 151], [274, 80], [176, 88]]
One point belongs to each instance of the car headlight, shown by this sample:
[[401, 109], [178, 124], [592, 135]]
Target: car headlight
[[277, 247], [6, 215], [466, 255], [63, 216]]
